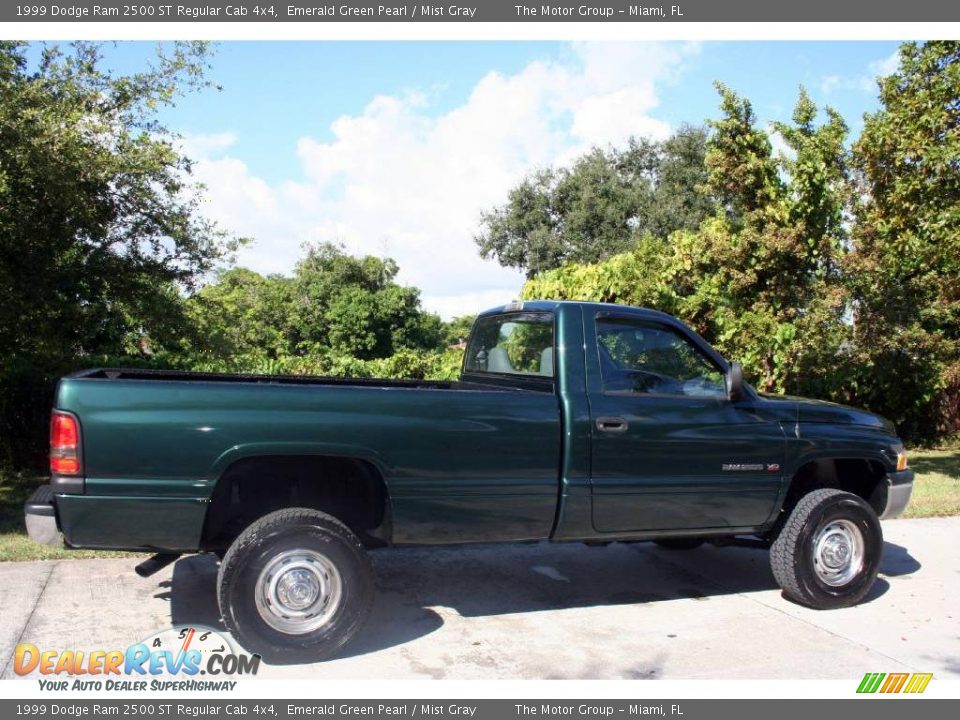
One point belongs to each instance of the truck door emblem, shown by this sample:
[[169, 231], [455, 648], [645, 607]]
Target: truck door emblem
[[750, 467]]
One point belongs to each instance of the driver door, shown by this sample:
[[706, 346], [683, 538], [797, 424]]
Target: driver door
[[670, 451]]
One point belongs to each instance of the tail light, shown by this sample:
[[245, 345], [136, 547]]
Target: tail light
[[64, 444]]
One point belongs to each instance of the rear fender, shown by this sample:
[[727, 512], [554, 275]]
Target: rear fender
[[254, 450]]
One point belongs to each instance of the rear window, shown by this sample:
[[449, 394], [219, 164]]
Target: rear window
[[512, 344]]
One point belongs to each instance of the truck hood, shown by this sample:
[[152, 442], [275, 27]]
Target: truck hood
[[821, 411]]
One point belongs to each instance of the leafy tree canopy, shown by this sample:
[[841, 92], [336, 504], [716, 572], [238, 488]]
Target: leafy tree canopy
[[99, 221], [334, 303], [458, 329], [100, 230], [600, 205], [904, 267], [754, 277]]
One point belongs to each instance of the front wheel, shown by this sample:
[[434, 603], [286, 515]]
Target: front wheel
[[295, 586], [828, 551]]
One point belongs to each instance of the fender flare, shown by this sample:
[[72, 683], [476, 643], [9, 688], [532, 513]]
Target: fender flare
[[254, 450]]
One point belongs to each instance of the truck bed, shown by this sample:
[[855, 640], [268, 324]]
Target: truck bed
[[461, 461]]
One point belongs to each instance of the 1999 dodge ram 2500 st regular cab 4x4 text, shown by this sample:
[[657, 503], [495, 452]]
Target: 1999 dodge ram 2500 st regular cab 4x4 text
[[570, 422]]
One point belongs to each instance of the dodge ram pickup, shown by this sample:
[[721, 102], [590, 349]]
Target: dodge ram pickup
[[571, 422]]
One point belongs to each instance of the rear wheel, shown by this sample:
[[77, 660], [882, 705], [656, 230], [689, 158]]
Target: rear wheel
[[295, 586], [828, 551], [679, 543]]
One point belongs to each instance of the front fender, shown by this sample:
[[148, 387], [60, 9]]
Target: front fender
[[815, 441]]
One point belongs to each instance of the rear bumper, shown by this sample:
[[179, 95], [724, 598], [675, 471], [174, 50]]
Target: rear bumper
[[40, 517], [899, 487]]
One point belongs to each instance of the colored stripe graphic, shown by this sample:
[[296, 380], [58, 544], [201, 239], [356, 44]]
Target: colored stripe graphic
[[918, 683], [870, 682], [894, 682]]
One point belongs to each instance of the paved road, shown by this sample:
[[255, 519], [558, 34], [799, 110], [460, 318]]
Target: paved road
[[546, 611]]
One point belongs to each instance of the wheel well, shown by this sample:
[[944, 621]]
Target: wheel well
[[349, 489], [855, 475]]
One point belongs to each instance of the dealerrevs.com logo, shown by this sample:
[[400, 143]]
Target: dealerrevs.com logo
[[887, 683], [179, 658]]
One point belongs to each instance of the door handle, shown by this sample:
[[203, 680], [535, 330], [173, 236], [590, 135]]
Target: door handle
[[612, 424]]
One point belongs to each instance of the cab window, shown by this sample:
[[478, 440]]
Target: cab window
[[644, 358], [512, 344]]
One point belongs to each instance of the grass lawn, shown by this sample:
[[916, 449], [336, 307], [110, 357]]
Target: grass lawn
[[936, 492], [936, 486]]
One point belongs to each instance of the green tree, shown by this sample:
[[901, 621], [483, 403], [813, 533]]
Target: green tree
[[334, 305], [760, 278], [457, 329], [600, 205], [241, 313], [98, 220], [353, 306], [680, 177], [818, 195], [100, 228], [757, 278], [818, 174], [742, 171], [904, 268]]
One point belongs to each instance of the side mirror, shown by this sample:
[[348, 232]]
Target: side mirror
[[734, 382]]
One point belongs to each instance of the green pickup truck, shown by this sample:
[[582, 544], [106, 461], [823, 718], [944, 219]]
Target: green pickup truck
[[571, 422]]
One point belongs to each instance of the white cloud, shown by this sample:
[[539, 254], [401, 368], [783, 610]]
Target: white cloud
[[399, 179], [831, 83], [865, 82], [612, 118], [450, 306], [886, 66], [207, 145]]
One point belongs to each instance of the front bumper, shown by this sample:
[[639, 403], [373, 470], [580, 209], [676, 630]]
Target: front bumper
[[899, 486], [40, 517]]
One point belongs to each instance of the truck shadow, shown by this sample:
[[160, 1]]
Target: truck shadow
[[418, 586]]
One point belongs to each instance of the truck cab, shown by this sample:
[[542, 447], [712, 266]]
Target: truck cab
[[661, 434]]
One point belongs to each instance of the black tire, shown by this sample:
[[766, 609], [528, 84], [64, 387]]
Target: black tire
[[795, 560], [681, 543], [294, 532]]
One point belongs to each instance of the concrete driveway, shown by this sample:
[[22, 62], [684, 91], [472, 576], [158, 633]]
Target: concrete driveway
[[546, 611]]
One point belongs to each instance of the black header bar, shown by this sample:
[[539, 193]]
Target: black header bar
[[466, 11]]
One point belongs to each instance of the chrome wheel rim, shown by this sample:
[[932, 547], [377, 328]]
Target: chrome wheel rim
[[838, 552], [298, 591]]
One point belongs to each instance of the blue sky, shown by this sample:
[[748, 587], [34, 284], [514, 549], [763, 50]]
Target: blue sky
[[395, 147]]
